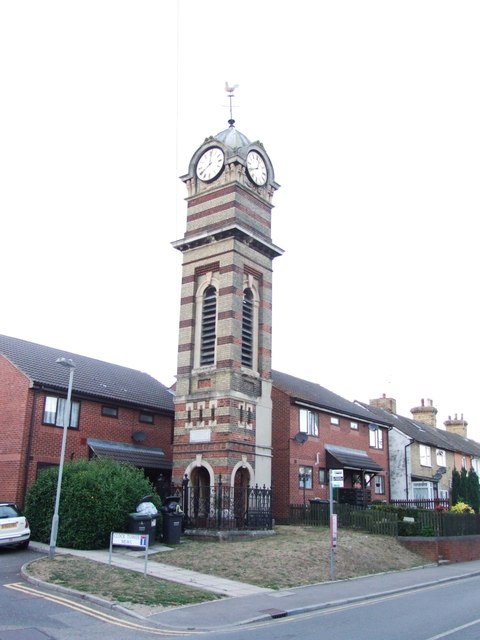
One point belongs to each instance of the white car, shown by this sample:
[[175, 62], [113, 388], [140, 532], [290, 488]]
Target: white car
[[14, 528]]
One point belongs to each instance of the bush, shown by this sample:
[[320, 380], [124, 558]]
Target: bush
[[462, 507], [96, 498]]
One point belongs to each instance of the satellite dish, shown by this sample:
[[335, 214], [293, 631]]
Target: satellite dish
[[138, 436], [373, 427], [300, 437]]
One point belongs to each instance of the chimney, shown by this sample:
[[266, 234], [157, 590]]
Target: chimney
[[425, 413], [457, 425], [388, 404]]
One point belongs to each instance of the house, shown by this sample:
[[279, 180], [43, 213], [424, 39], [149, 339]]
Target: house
[[315, 430], [116, 412], [423, 456]]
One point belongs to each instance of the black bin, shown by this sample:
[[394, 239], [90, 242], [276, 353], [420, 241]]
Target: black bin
[[143, 524], [172, 520]]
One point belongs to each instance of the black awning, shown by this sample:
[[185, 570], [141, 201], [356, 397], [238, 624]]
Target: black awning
[[138, 456], [355, 459]]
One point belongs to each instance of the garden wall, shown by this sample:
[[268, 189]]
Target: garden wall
[[450, 549]]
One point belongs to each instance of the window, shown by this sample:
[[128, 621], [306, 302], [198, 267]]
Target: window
[[146, 417], [247, 329], [441, 458], [375, 436], [309, 422], [422, 490], [379, 483], [425, 456], [322, 476], [209, 326], [334, 421], [475, 465], [112, 412], [305, 477], [55, 409], [354, 425]]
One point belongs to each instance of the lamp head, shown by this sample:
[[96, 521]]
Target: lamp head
[[65, 362]]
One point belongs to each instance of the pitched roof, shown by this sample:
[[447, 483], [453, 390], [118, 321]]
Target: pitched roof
[[427, 434], [312, 393], [92, 378]]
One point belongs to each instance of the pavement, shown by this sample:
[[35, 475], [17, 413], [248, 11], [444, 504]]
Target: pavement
[[243, 603]]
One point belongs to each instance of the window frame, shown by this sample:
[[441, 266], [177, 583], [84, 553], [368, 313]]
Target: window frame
[[310, 424], [307, 473], [375, 437], [60, 403], [425, 455], [109, 411]]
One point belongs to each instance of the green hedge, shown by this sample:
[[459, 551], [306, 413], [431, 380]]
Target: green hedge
[[96, 498]]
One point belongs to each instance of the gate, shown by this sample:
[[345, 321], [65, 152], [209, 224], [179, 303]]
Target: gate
[[223, 507]]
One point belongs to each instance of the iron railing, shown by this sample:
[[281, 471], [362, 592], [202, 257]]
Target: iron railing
[[223, 507]]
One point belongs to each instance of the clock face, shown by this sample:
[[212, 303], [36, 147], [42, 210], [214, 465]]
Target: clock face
[[256, 167], [210, 164]]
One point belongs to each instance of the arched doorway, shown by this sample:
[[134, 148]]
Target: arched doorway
[[241, 481], [199, 494]]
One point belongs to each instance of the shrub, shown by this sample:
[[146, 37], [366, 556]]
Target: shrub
[[462, 507], [96, 498]]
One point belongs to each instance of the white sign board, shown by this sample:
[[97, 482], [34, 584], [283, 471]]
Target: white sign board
[[336, 478], [129, 539]]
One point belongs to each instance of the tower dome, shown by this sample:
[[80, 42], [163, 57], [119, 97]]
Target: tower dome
[[232, 138]]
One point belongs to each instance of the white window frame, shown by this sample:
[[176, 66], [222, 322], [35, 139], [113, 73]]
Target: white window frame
[[441, 458], [375, 437], [379, 484], [308, 421], [422, 490], [425, 452]]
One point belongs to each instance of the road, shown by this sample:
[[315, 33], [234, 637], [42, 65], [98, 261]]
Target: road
[[449, 610]]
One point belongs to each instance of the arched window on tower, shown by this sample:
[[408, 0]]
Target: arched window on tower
[[247, 329], [209, 326]]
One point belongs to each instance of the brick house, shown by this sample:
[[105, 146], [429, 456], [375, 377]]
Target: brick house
[[422, 455], [116, 412], [315, 430]]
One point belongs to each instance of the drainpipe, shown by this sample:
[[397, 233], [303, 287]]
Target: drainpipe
[[26, 466], [406, 470]]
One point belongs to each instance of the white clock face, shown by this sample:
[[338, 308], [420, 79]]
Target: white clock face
[[210, 164], [257, 169]]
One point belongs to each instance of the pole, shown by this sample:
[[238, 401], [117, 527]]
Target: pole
[[66, 422], [333, 532]]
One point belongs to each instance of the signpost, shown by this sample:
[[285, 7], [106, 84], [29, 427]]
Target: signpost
[[129, 540], [335, 482]]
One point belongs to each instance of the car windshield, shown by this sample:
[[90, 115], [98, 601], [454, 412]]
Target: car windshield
[[9, 511]]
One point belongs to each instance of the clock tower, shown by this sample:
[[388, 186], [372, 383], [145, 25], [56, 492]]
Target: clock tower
[[223, 408]]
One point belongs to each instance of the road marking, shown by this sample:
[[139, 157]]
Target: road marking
[[105, 617], [445, 634]]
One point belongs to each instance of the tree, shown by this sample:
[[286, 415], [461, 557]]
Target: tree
[[473, 490], [456, 497]]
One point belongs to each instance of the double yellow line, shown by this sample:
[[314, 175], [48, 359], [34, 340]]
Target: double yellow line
[[99, 615]]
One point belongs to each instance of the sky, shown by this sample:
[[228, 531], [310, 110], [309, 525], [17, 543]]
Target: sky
[[369, 111]]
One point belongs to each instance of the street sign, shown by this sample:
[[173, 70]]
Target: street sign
[[336, 478], [129, 539]]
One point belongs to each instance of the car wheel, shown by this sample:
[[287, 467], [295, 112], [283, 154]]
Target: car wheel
[[24, 544]]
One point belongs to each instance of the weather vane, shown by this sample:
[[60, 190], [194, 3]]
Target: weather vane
[[230, 89]]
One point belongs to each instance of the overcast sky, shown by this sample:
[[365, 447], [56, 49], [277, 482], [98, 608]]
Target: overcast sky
[[369, 112]]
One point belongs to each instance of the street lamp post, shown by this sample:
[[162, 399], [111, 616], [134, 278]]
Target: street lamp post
[[66, 421]]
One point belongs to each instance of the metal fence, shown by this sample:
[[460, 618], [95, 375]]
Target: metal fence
[[223, 507], [418, 522], [348, 516]]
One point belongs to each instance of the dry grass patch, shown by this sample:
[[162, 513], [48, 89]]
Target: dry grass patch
[[294, 556]]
